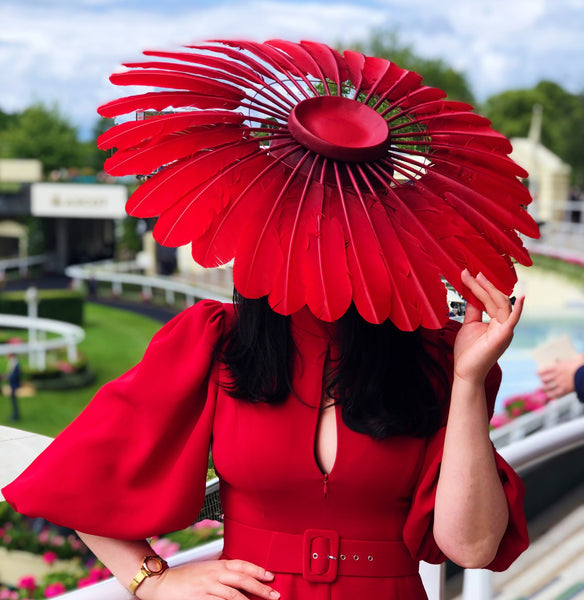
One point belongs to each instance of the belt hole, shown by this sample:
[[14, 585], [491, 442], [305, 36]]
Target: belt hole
[[355, 557], [343, 557], [315, 555], [370, 558]]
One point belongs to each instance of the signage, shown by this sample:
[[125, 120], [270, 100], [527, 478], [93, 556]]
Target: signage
[[78, 200]]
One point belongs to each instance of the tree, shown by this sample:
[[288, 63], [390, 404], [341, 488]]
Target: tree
[[436, 72], [5, 119], [95, 156], [42, 133], [562, 124]]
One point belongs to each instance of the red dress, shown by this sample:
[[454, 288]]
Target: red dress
[[133, 465]]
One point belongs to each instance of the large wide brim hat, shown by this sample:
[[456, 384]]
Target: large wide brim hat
[[327, 178]]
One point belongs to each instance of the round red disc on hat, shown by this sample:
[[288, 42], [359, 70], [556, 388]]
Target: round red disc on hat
[[339, 128]]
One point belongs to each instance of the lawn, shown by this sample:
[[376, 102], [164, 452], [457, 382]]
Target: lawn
[[115, 341]]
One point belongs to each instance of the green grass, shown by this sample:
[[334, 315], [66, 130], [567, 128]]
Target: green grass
[[115, 341], [572, 272]]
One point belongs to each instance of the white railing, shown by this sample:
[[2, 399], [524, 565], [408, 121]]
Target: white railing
[[22, 264], [521, 455], [69, 336], [555, 412], [477, 585], [109, 272], [526, 453]]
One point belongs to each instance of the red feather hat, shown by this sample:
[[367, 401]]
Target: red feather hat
[[328, 178]]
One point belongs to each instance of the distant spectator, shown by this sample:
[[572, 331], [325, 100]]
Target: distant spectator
[[564, 377], [13, 375]]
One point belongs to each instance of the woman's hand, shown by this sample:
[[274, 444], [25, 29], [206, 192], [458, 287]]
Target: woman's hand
[[479, 345], [209, 580]]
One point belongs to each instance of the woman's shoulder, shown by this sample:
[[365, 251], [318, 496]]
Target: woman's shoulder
[[206, 321]]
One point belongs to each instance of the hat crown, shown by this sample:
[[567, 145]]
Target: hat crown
[[339, 128]]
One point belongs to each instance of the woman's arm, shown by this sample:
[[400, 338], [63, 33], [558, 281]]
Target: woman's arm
[[207, 580], [471, 512]]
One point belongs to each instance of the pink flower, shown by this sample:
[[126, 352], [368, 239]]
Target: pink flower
[[84, 582], [499, 420], [27, 583], [7, 539], [165, 547], [77, 544], [54, 589], [49, 558], [44, 536], [205, 523], [57, 541]]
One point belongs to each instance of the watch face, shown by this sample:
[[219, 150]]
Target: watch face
[[153, 565]]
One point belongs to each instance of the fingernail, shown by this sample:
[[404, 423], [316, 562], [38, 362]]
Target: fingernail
[[275, 595], [270, 575]]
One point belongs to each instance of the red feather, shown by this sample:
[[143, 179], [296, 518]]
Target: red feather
[[134, 133], [367, 268], [159, 101], [326, 272], [178, 81], [153, 154]]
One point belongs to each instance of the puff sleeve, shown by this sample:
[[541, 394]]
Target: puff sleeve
[[419, 523], [134, 463]]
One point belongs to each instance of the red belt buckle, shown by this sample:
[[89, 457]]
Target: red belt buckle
[[320, 555]]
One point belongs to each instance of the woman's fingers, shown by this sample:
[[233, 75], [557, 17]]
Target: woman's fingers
[[496, 303], [244, 566], [248, 577]]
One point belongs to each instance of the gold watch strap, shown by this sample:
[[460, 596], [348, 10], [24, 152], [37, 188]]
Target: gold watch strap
[[146, 571]]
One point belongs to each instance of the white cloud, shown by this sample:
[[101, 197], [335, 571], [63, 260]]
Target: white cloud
[[63, 51]]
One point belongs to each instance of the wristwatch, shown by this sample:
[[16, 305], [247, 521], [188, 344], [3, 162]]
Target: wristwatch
[[151, 566]]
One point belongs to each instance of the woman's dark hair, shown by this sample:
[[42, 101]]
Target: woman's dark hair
[[382, 380]]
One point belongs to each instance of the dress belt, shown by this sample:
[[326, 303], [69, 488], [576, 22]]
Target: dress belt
[[319, 555]]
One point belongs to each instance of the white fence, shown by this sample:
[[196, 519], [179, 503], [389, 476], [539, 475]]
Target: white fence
[[37, 346], [555, 412], [118, 276], [23, 264], [477, 585]]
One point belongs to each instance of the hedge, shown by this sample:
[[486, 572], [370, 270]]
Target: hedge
[[62, 305]]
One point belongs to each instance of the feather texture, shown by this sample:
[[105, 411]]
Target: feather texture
[[231, 178]]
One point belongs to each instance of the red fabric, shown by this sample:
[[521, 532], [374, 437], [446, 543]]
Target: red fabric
[[133, 464]]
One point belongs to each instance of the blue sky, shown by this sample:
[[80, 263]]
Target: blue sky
[[62, 51]]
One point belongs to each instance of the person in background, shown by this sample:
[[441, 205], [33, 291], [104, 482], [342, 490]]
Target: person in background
[[13, 376], [564, 377]]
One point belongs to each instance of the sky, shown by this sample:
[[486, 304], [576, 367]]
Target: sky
[[61, 52]]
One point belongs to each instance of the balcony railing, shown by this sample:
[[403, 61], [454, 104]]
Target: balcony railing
[[526, 453]]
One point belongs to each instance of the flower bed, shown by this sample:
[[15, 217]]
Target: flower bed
[[38, 560], [518, 405]]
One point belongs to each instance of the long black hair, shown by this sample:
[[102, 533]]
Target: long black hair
[[383, 379]]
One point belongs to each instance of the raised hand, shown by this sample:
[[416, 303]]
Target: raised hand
[[479, 345]]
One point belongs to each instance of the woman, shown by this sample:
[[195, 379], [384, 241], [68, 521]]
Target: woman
[[348, 418]]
